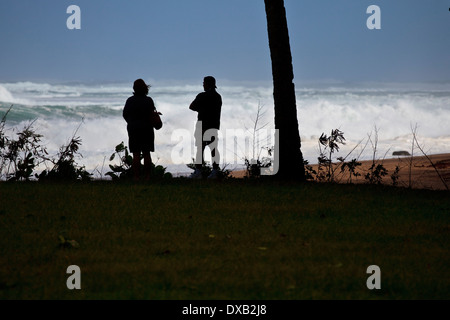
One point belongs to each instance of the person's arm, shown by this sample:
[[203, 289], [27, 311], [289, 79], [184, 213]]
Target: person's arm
[[193, 106], [125, 112], [152, 104]]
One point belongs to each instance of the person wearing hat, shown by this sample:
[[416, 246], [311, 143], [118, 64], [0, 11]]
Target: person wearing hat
[[137, 112], [208, 105]]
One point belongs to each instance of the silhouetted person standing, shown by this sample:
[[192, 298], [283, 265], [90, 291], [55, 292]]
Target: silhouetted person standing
[[137, 113], [208, 105]]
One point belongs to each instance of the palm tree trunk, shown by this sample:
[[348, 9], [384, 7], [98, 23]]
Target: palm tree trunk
[[290, 155]]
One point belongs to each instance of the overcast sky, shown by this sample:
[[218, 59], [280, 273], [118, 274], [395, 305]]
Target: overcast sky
[[121, 40]]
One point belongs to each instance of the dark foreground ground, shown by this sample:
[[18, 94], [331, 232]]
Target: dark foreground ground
[[238, 239]]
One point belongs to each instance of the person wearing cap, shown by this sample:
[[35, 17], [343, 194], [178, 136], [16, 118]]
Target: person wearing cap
[[208, 105], [137, 112]]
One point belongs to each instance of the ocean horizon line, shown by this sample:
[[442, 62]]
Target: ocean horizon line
[[234, 82]]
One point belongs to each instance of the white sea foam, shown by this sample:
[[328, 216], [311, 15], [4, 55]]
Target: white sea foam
[[355, 110], [7, 97]]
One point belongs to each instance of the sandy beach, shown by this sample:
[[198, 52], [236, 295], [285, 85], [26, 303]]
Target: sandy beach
[[416, 172]]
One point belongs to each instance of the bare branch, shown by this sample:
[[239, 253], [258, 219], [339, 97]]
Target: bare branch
[[431, 162]]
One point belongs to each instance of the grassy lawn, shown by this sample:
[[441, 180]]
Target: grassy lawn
[[236, 239]]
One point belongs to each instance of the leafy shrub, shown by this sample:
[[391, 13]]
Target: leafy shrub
[[65, 167], [310, 173], [223, 173], [20, 156], [351, 167], [253, 167], [395, 176], [376, 173], [124, 170]]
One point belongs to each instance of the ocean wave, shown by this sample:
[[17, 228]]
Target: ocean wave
[[7, 97]]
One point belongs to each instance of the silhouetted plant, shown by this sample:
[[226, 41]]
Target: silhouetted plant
[[310, 173], [351, 167], [206, 170], [124, 171], [327, 146], [22, 155], [376, 173], [159, 172], [259, 144], [4, 142], [416, 142], [254, 166], [395, 176], [25, 153], [3, 137], [65, 167]]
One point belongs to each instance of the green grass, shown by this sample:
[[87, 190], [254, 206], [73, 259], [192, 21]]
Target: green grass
[[237, 239]]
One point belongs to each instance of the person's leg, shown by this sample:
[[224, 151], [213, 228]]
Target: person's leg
[[198, 136], [200, 145], [147, 165], [197, 174], [215, 155], [136, 166], [199, 159], [212, 140]]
